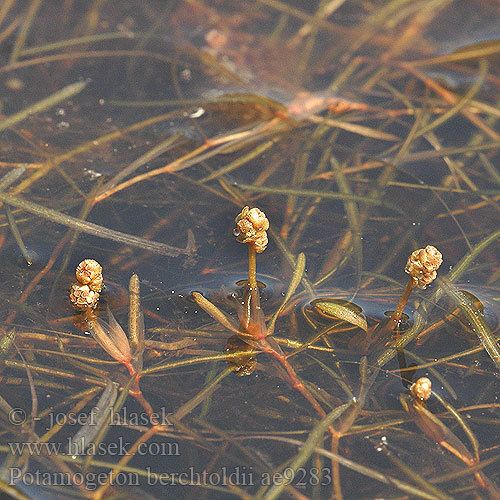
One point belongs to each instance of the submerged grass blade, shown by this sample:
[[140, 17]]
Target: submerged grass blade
[[353, 215], [100, 415], [435, 430], [82, 40], [6, 342], [11, 177], [4, 9], [12, 492], [283, 247], [93, 229], [461, 421], [201, 396], [111, 338], [242, 160], [44, 104], [308, 448], [139, 162], [337, 310], [113, 410], [382, 477], [475, 51], [316, 194], [354, 128], [477, 322], [461, 103], [118, 335], [135, 321], [294, 283], [415, 476], [17, 235], [29, 17]]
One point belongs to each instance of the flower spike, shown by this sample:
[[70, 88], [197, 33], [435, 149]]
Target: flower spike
[[423, 264], [421, 390]]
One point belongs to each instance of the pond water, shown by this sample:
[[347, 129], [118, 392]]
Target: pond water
[[133, 133]]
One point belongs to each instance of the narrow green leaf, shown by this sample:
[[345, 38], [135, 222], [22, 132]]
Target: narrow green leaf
[[48, 102], [475, 317], [294, 283], [341, 309], [93, 229]]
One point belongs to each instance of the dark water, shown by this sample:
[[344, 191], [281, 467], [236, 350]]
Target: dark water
[[364, 130]]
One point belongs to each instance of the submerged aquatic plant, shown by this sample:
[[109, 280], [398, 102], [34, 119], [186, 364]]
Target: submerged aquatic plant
[[310, 155], [437, 431], [113, 339], [251, 227]]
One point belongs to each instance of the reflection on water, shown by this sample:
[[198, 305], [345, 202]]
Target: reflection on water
[[364, 130]]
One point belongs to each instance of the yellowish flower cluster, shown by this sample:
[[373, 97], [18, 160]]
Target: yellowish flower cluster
[[421, 389], [84, 294], [89, 272], [251, 227], [423, 264]]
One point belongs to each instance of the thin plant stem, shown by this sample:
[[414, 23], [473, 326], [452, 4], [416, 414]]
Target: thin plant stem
[[252, 267], [17, 235], [396, 315], [98, 494], [43, 105]]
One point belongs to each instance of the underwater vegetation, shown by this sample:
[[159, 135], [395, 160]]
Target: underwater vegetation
[[249, 249]]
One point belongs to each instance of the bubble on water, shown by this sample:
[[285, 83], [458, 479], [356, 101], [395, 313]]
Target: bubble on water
[[199, 112]]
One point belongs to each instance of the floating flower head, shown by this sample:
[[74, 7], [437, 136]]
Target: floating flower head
[[83, 297], [89, 272], [423, 264], [421, 389], [251, 227]]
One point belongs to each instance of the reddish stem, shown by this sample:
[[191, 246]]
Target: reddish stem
[[395, 318], [137, 393], [295, 381]]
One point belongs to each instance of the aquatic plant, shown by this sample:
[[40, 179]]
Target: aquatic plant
[[364, 128], [251, 227], [436, 430]]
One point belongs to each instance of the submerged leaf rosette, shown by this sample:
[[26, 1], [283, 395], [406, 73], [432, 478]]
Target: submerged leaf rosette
[[423, 264], [251, 227]]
